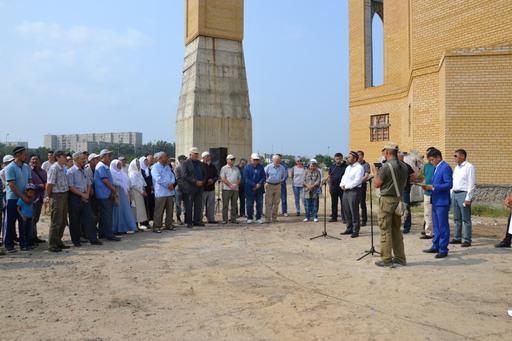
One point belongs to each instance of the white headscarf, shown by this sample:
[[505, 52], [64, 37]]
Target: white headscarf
[[143, 166], [119, 177], [136, 180]]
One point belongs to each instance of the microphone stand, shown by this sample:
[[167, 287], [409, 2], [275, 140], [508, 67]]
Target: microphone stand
[[372, 250], [324, 233]]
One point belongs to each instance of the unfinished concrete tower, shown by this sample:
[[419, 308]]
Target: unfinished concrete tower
[[214, 102]]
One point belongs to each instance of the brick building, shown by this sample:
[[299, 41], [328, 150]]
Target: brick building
[[447, 80]]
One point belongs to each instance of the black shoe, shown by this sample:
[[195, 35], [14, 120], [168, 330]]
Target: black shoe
[[347, 232], [298, 214], [406, 231], [189, 226], [213, 222], [55, 249], [431, 250], [423, 233], [363, 223], [503, 244], [224, 222], [77, 244], [383, 264], [39, 241], [399, 262], [426, 237], [332, 220], [13, 250], [441, 255], [156, 230], [96, 242], [466, 244], [171, 228], [454, 241], [235, 222], [63, 247], [114, 239], [354, 235], [199, 224], [84, 240]]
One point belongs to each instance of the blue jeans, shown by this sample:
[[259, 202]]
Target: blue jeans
[[25, 232], [461, 215], [250, 199], [311, 208], [297, 193], [441, 228], [406, 198], [284, 198]]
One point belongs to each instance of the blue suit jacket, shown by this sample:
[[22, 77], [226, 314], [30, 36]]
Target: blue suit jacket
[[442, 183]]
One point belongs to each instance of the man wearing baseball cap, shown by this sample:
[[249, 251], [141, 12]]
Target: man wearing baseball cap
[[3, 186], [211, 177], [192, 187], [391, 178], [230, 176], [254, 175], [106, 194], [18, 175]]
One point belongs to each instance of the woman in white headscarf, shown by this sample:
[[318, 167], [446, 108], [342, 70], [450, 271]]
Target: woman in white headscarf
[[137, 193], [149, 199], [122, 215]]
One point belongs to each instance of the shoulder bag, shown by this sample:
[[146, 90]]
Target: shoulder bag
[[400, 209]]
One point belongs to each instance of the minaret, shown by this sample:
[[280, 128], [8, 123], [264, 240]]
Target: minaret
[[214, 102]]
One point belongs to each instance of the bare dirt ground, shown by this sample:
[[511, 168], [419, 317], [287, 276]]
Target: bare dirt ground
[[257, 282]]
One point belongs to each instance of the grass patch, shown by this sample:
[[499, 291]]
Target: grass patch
[[476, 210]]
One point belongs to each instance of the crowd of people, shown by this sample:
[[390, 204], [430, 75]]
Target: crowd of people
[[99, 198]]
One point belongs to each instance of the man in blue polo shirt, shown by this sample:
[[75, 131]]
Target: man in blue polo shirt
[[18, 175], [105, 195], [275, 174]]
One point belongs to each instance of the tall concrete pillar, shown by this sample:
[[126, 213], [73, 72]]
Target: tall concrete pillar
[[214, 102]]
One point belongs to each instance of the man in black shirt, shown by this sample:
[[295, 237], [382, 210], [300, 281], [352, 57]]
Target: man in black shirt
[[211, 177], [336, 172], [406, 196]]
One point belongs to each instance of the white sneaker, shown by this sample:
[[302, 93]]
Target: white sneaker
[[305, 220], [315, 220], [143, 227], [286, 214], [249, 221], [259, 221]]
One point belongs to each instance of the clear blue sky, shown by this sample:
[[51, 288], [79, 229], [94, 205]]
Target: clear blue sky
[[98, 66]]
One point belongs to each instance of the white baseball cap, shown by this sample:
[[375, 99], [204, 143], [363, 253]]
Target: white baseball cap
[[255, 156], [194, 150], [8, 158], [105, 152], [230, 157], [92, 157], [205, 154]]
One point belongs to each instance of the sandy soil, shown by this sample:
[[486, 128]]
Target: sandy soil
[[266, 282]]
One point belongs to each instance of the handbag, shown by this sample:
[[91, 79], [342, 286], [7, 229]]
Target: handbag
[[400, 209]]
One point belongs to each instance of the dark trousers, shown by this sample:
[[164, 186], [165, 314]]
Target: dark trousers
[[441, 228], [406, 198], [336, 194], [241, 196], [351, 201], [80, 219], [36, 210], [10, 223], [250, 199], [508, 236], [193, 207], [105, 217], [364, 211], [25, 232], [149, 200], [59, 219]]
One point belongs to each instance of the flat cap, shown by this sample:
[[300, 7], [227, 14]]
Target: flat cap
[[105, 152], [194, 150], [390, 146], [92, 157], [205, 154]]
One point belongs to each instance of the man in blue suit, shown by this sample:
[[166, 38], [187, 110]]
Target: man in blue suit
[[441, 185]]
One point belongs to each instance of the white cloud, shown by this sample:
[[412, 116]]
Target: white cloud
[[81, 35]]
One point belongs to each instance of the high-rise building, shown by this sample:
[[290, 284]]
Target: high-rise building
[[93, 141]]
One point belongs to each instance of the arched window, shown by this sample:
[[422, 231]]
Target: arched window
[[377, 50]]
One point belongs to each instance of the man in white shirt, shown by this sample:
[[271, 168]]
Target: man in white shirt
[[351, 186], [464, 180]]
